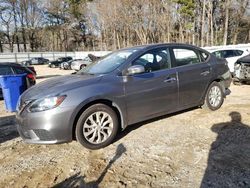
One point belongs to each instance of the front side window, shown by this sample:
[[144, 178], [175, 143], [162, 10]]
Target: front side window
[[185, 57], [154, 60]]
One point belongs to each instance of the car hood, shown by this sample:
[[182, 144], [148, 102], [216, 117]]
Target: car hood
[[58, 85]]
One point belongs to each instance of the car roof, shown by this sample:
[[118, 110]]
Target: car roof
[[225, 49], [11, 64], [152, 46]]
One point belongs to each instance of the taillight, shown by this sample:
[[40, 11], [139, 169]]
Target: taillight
[[31, 76]]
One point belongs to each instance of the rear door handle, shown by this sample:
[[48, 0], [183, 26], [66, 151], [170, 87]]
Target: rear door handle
[[205, 73], [169, 80]]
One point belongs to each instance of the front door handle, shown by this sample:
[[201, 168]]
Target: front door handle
[[169, 80], [205, 73]]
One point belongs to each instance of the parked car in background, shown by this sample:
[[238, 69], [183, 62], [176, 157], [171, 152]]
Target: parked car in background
[[26, 63], [57, 63], [15, 68], [231, 55], [67, 65], [125, 87], [242, 70], [81, 63], [35, 61]]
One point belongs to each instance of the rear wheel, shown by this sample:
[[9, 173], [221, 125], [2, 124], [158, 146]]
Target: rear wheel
[[237, 82], [214, 97], [97, 126]]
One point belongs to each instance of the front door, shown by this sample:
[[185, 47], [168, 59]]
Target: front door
[[154, 92]]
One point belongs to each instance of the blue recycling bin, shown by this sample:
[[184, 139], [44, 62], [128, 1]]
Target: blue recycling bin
[[12, 87]]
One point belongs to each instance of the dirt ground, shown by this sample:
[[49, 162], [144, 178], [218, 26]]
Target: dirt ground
[[194, 148]]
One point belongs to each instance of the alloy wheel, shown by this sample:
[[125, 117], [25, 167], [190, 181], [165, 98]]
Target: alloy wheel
[[98, 127], [215, 96]]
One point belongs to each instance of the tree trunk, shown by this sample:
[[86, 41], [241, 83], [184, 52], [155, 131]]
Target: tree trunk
[[235, 36], [1, 47], [24, 40], [211, 24], [203, 23], [249, 35], [17, 42], [226, 23]]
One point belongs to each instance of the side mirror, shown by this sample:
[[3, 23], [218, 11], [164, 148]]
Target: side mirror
[[135, 69]]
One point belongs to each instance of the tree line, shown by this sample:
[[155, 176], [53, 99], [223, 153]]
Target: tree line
[[74, 25]]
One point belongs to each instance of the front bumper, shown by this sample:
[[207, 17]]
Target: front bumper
[[48, 127]]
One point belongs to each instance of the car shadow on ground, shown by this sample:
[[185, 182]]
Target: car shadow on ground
[[77, 180], [47, 76], [133, 127], [228, 162], [8, 130]]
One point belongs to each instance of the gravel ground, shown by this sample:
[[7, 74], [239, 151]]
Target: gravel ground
[[194, 148]]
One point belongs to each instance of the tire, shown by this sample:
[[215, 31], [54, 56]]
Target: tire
[[93, 137], [237, 83], [214, 97], [82, 66]]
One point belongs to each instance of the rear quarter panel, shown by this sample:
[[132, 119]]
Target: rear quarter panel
[[222, 72]]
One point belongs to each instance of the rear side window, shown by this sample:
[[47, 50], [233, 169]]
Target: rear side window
[[20, 70], [218, 54], [227, 53], [5, 70], [204, 56], [185, 57], [238, 52]]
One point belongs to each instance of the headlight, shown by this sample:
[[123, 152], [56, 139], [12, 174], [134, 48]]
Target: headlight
[[46, 103]]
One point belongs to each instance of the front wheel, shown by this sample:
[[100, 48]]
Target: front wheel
[[82, 67], [97, 126], [214, 97]]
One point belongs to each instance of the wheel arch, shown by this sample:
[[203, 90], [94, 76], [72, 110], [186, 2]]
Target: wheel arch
[[107, 102]]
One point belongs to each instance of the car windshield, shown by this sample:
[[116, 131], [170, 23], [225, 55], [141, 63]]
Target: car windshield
[[108, 63]]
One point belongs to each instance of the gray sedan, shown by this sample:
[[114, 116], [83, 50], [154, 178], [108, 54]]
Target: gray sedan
[[125, 87]]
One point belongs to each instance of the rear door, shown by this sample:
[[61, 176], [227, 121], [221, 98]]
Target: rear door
[[194, 75], [153, 92]]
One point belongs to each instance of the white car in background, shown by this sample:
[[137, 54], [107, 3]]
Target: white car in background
[[231, 55], [80, 63]]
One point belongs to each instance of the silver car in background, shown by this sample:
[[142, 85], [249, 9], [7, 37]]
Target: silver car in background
[[80, 63]]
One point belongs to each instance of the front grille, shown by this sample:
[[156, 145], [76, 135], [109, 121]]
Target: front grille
[[43, 135]]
